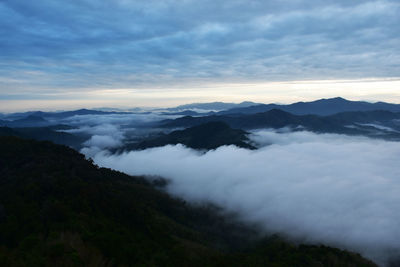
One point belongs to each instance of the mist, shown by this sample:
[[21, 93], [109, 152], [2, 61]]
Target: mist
[[332, 189], [110, 130], [119, 119]]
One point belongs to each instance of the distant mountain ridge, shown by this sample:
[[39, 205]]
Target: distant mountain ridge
[[212, 106], [321, 107], [45, 119], [334, 115], [58, 114], [341, 123], [29, 121], [44, 134]]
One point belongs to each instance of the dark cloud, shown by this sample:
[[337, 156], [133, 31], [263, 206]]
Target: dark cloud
[[70, 44]]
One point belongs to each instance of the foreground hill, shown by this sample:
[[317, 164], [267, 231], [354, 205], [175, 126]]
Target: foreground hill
[[209, 135], [58, 209]]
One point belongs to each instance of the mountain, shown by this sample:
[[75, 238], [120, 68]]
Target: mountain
[[66, 114], [366, 117], [209, 135], [21, 115], [342, 123], [58, 209], [321, 107], [189, 113], [29, 121], [58, 115], [274, 118], [212, 106], [45, 134]]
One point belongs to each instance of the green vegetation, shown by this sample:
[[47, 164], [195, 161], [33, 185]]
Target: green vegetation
[[58, 209]]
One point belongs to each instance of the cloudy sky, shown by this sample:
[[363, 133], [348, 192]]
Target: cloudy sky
[[153, 53]]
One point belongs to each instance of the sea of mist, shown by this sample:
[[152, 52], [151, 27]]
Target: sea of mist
[[315, 188]]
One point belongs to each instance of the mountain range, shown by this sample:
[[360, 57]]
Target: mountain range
[[370, 123], [56, 115], [378, 120], [321, 107], [212, 106]]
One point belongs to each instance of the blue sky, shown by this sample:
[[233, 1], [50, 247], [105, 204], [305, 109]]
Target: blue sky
[[106, 52]]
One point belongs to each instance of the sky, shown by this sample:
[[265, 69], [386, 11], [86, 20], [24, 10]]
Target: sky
[[120, 53]]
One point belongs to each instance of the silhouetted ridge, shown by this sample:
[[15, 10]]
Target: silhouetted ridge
[[33, 118], [342, 123], [28, 121], [45, 134], [209, 135], [322, 107]]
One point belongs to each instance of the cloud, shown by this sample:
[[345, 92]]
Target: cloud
[[83, 44], [101, 136], [331, 189], [112, 130], [101, 129], [108, 122], [103, 141], [285, 136]]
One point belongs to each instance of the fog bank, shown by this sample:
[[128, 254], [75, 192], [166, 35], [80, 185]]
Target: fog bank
[[337, 190]]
